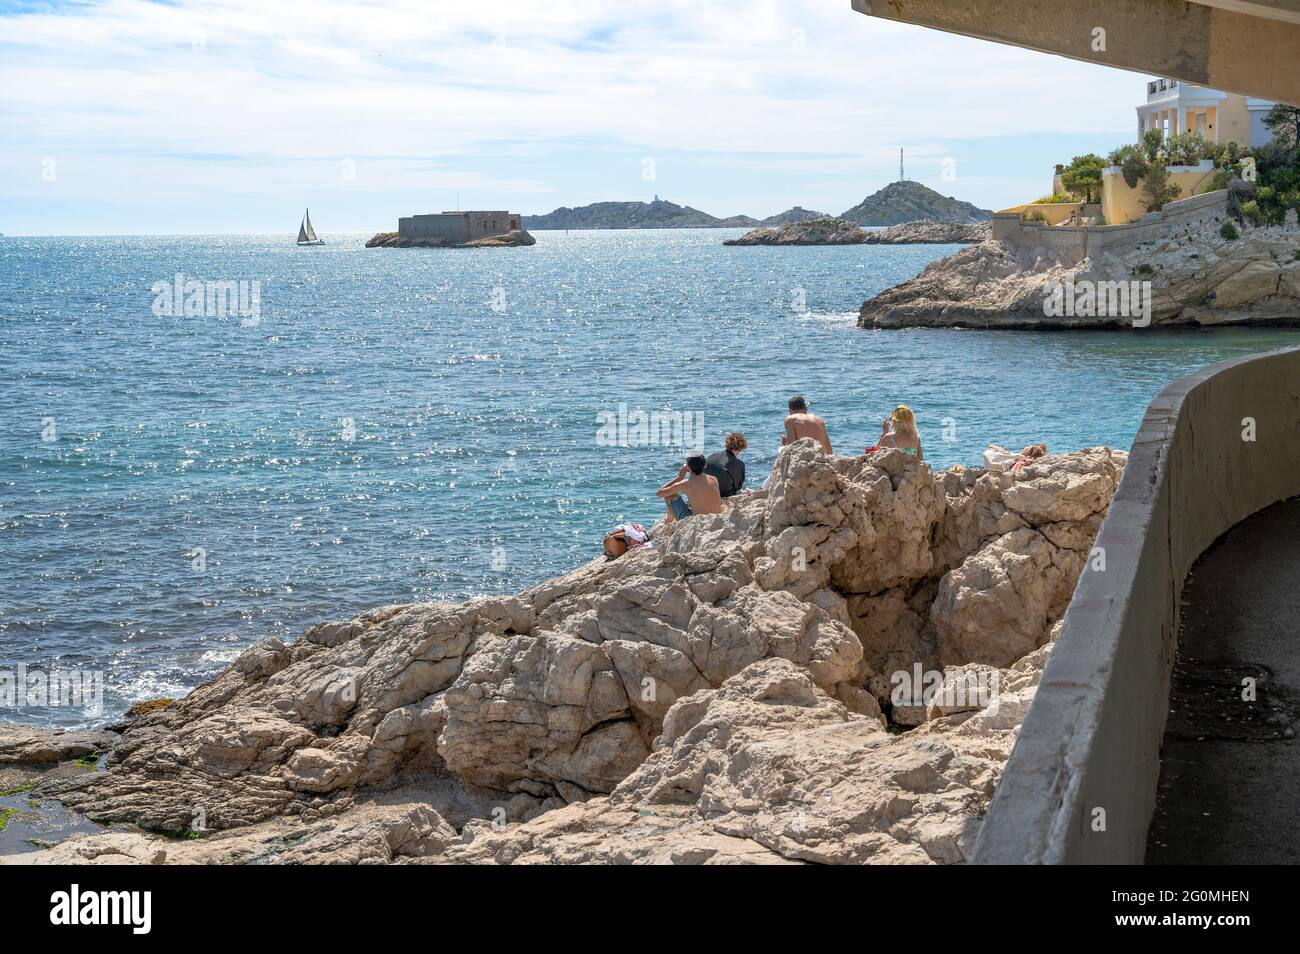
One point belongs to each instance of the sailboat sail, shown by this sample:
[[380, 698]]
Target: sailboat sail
[[307, 234]]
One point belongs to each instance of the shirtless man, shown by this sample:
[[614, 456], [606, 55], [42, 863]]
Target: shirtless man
[[801, 423], [700, 488]]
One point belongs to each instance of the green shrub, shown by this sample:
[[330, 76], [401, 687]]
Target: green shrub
[[1054, 199], [1278, 167], [1218, 179], [1189, 148], [1229, 231], [1251, 210], [1033, 215], [1284, 121], [1134, 168], [1152, 140], [1083, 176], [1159, 190]]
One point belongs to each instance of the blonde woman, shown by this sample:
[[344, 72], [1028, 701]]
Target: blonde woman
[[899, 430]]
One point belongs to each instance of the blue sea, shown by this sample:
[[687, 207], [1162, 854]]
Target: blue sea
[[397, 425]]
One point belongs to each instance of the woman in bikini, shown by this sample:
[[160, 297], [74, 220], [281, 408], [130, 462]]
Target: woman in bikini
[[899, 431]]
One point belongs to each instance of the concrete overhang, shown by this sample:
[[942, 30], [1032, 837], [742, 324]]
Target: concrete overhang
[[1244, 46]]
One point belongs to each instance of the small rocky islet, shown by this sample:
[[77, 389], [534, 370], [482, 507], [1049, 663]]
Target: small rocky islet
[[513, 239], [843, 232]]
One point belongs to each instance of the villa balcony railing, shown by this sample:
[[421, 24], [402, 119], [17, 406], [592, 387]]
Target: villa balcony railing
[[1156, 87]]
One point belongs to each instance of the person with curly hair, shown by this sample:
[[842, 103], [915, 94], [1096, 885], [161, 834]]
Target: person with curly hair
[[726, 466]]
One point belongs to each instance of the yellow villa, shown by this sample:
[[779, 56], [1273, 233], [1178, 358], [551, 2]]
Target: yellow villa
[[1174, 107], [1171, 107]]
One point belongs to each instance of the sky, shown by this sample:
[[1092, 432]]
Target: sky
[[231, 116]]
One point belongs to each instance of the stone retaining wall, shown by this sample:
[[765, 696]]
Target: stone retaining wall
[[1070, 244]]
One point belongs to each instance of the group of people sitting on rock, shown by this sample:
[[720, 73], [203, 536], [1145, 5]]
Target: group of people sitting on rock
[[703, 483]]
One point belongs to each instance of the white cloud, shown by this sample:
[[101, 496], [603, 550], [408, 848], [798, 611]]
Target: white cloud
[[275, 85]]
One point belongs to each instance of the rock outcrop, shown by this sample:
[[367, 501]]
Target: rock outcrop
[[795, 214], [814, 232], [726, 695], [21, 745], [842, 232], [511, 239], [930, 232], [1196, 276]]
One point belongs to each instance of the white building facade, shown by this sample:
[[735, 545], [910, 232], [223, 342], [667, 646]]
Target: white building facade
[[1178, 107]]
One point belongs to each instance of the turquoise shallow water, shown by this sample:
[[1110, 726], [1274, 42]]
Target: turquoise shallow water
[[472, 381]]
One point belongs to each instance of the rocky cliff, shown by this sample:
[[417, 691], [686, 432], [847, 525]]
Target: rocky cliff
[[727, 695], [1196, 276]]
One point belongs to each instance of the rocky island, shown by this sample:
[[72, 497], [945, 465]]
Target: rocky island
[[455, 230], [795, 214], [843, 232], [816, 232], [746, 690], [930, 232], [909, 201], [658, 214], [512, 239]]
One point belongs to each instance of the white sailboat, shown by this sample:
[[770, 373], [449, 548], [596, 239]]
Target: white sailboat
[[307, 234]]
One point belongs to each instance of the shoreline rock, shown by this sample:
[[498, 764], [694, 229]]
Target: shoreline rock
[[727, 695], [1196, 276], [28, 745], [512, 239]]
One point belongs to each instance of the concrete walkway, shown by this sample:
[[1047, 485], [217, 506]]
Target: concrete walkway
[[1230, 769]]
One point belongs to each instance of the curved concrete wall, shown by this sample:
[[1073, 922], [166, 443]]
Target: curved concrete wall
[[1080, 785]]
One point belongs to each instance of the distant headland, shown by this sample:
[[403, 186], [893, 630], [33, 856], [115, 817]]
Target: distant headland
[[898, 202], [658, 214]]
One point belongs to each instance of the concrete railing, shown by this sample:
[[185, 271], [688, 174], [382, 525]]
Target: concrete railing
[[1081, 782]]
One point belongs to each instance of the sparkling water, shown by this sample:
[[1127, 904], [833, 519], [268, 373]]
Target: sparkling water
[[353, 427]]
